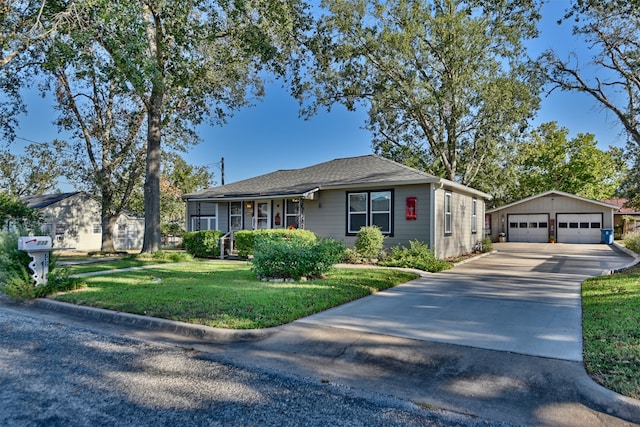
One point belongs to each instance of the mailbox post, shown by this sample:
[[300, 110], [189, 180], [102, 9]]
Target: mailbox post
[[38, 248]]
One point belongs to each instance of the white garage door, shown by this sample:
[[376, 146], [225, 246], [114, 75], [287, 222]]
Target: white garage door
[[533, 228], [579, 228]]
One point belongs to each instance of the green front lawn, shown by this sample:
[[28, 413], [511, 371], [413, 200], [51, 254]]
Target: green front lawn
[[226, 294], [611, 329]]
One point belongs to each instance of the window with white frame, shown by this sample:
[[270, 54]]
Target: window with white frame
[[235, 216], [369, 208], [292, 213], [448, 207], [357, 211], [97, 228], [381, 210], [474, 216], [199, 223]]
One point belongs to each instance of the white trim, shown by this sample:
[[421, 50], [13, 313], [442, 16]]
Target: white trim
[[548, 193]]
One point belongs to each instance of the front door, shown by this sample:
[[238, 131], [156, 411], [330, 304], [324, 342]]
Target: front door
[[263, 215]]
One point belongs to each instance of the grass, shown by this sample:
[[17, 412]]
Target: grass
[[120, 263], [611, 330], [111, 265], [226, 294]]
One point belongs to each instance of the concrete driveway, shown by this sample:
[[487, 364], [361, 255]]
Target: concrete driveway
[[525, 298]]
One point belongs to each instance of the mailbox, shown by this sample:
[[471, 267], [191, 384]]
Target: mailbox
[[38, 247], [34, 243]]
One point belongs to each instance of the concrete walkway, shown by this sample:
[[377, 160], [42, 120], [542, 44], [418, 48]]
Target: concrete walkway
[[523, 299]]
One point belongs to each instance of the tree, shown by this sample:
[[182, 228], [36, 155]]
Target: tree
[[612, 29], [106, 125], [23, 25], [550, 161], [14, 211], [189, 59], [36, 172], [178, 178], [446, 83]]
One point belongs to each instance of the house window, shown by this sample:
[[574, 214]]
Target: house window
[[357, 212], [199, 223], [235, 216], [369, 208], [474, 216], [97, 229], [61, 229], [448, 206], [122, 229], [292, 213]]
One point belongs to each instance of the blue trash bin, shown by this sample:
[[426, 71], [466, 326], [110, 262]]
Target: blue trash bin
[[606, 236]]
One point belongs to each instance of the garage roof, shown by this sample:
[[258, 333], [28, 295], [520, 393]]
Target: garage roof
[[552, 193]]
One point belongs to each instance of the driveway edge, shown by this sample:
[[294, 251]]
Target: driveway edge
[[608, 401]]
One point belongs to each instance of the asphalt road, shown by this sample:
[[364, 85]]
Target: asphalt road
[[60, 374]]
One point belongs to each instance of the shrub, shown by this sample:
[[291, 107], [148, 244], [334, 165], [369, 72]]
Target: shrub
[[632, 241], [15, 274], [203, 244], [369, 242], [246, 239], [418, 256], [295, 258], [487, 245]]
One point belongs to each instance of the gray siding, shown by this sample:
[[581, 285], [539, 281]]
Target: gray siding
[[462, 239], [326, 215]]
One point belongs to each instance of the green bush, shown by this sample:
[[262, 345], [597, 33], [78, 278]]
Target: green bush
[[295, 258], [15, 274], [369, 242], [632, 241], [246, 239], [487, 245], [203, 244], [418, 256]]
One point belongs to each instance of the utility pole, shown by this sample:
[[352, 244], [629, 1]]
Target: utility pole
[[222, 170]]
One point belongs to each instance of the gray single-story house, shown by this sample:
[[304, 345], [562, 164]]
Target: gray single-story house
[[335, 198], [552, 215], [73, 220]]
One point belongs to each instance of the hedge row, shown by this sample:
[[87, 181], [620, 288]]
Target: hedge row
[[246, 239]]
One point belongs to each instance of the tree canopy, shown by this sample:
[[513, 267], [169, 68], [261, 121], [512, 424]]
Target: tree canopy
[[36, 171], [187, 60], [548, 160], [446, 83], [612, 30]]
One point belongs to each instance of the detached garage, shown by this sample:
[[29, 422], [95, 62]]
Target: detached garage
[[565, 217]]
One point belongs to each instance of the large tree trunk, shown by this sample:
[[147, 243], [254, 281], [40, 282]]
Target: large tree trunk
[[108, 227], [152, 181]]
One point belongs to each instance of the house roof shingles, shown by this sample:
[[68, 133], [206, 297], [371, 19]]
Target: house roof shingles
[[44, 200], [338, 173]]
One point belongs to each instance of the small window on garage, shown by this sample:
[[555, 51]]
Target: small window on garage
[[584, 225], [595, 225], [513, 225], [562, 225], [523, 225], [543, 225], [573, 225], [533, 225]]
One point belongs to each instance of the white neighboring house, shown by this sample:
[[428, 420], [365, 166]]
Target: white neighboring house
[[73, 221]]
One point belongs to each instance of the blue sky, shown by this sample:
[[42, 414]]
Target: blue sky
[[271, 136]]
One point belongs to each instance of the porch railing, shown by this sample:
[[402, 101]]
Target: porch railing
[[229, 236]]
